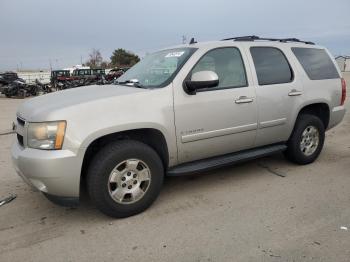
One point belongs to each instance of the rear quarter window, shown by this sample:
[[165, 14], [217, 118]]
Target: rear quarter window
[[316, 63]]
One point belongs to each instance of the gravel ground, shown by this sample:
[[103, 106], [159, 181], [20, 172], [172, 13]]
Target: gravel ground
[[263, 210]]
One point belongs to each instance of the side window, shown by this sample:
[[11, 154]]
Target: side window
[[316, 63], [271, 66], [227, 63]]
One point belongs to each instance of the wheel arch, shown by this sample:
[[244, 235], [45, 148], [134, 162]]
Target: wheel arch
[[150, 136], [319, 109]]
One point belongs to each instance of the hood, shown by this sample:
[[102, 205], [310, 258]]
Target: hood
[[39, 108]]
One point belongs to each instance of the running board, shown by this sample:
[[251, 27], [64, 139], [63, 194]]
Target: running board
[[203, 165]]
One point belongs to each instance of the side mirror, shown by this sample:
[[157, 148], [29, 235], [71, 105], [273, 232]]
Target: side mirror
[[200, 80]]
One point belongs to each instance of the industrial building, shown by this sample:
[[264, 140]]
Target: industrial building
[[343, 63]]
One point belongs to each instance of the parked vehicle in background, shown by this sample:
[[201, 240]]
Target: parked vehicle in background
[[20, 89], [88, 73], [8, 77], [16, 87], [60, 75], [181, 110], [98, 72], [13, 86], [114, 74], [63, 79]]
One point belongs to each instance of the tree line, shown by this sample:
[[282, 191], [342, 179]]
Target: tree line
[[120, 58]]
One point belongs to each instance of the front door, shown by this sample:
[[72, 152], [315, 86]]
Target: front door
[[218, 120]]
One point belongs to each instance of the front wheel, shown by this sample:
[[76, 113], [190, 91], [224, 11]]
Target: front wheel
[[306, 141], [124, 178]]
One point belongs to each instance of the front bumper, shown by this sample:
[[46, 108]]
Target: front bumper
[[55, 172]]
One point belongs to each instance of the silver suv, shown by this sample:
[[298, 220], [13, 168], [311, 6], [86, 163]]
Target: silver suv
[[181, 110]]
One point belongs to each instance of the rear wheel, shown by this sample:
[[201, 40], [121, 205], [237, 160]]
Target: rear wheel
[[306, 141], [125, 178]]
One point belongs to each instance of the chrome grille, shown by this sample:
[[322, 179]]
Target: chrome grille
[[20, 139], [20, 130], [20, 121]]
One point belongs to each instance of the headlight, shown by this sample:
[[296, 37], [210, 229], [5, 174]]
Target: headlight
[[46, 135]]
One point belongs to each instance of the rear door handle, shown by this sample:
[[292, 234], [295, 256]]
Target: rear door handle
[[294, 92], [243, 100]]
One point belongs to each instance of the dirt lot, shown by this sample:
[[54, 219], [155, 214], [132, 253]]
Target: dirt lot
[[263, 210]]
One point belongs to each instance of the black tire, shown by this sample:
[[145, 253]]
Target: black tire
[[294, 152], [103, 164]]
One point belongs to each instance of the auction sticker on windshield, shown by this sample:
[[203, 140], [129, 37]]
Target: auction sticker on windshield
[[175, 54]]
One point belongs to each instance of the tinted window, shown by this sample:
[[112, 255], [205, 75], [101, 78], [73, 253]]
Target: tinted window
[[316, 63], [227, 63], [271, 66]]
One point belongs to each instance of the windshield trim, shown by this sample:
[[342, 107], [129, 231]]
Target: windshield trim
[[171, 78]]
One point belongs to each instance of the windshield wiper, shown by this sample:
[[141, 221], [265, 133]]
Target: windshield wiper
[[138, 85], [131, 82]]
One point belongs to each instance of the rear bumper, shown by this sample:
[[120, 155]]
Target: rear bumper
[[336, 116], [55, 172]]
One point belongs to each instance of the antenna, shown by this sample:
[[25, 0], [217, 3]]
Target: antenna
[[193, 41]]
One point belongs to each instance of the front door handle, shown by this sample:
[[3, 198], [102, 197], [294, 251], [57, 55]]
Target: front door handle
[[243, 100], [294, 92]]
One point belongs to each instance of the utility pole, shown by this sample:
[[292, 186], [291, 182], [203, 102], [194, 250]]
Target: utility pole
[[184, 39]]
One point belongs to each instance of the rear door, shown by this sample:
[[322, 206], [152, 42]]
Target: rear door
[[279, 92]]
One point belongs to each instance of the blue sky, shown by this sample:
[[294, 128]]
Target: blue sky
[[35, 32]]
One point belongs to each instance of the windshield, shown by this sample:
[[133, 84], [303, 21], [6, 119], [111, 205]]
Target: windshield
[[157, 69]]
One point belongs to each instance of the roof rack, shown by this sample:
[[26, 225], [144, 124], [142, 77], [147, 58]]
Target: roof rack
[[254, 38]]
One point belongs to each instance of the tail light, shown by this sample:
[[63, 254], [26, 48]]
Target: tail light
[[343, 91]]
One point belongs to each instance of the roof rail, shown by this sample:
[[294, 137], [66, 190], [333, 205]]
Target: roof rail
[[254, 38]]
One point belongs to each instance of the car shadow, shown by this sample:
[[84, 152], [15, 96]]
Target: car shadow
[[175, 187]]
